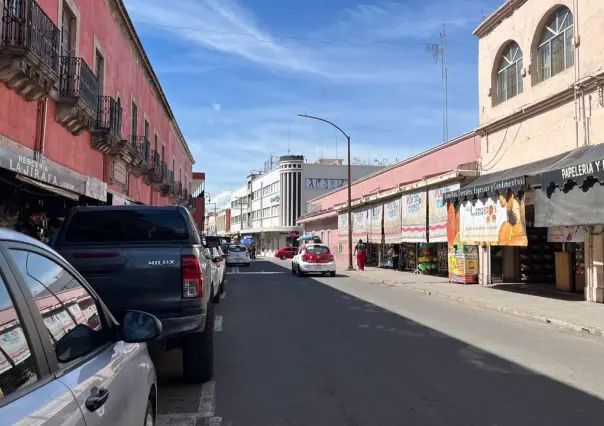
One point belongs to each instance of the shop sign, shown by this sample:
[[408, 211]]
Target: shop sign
[[359, 224], [343, 224], [437, 213], [566, 234], [498, 222], [413, 217], [500, 186], [463, 265], [318, 183], [374, 228], [20, 159], [392, 222]]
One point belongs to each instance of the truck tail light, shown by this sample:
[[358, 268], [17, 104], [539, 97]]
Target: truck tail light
[[192, 279], [304, 258]]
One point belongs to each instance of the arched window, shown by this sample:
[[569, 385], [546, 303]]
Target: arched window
[[509, 75], [556, 47]]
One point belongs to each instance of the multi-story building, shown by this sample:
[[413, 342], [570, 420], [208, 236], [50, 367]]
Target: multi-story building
[[211, 224], [541, 99], [82, 111], [223, 222], [276, 197], [198, 200]]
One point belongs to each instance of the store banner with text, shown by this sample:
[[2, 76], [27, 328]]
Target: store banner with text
[[392, 222], [413, 217], [499, 222], [359, 225], [374, 224], [343, 224], [437, 213], [566, 234]]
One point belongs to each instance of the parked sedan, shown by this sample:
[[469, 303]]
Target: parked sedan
[[315, 259], [237, 254], [219, 260], [65, 359], [286, 252]]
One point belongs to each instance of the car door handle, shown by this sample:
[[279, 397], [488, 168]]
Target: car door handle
[[97, 399]]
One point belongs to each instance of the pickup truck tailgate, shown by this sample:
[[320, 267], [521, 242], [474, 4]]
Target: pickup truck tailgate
[[144, 278]]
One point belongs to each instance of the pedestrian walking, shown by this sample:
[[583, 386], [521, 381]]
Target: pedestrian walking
[[360, 251]]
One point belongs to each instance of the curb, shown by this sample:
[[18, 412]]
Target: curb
[[567, 325]]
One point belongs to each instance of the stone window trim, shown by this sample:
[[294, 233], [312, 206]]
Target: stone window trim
[[74, 11], [563, 25], [133, 101], [98, 48], [509, 65]]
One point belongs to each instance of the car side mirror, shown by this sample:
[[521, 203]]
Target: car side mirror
[[78, 341], [140, 327]]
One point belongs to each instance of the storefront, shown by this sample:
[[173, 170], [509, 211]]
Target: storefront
[[531, 223]]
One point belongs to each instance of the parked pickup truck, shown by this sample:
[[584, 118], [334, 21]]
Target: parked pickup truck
[[149, 258]]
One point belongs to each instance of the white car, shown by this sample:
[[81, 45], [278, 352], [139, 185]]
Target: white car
[[219, 262], [237, 254], [314, 259]]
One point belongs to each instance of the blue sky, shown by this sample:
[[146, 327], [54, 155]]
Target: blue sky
[[238, 73]]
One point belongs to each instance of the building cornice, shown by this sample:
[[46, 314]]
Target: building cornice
[[493, 20], [132, 37]]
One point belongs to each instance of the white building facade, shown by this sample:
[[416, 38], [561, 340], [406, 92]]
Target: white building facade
[[271, 202]]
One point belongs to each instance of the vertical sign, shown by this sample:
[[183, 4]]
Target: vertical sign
[[413, 217]]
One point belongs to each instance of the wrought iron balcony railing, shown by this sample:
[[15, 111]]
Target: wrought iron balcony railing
[[139, 143], [78, 81], [165, 176], [109, 115], [24, 24], [147, 150]]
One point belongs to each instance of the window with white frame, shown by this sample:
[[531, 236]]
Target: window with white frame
[[266, 212], [556, 47], [275, 210], [509, 75]]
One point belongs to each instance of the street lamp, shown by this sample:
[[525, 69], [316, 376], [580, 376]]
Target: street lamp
[[350, 268]]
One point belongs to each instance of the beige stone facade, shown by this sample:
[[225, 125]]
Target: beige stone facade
[[551, 116], [541, 92]]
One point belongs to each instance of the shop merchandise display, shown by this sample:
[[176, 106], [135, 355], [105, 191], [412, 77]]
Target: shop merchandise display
[[427, 260], [579, 266], [537, 264], [409, 256], [442, 253]]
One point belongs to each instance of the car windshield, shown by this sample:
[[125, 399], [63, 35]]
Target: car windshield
[[317, 250], [126, 226], [237, 249]]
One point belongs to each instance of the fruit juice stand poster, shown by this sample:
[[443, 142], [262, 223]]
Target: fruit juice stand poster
[[463, 264]]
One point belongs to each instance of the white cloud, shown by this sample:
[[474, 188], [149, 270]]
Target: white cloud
[[216, 106], [221, 199]]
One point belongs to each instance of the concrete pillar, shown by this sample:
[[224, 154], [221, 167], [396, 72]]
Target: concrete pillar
[[594, 265], [484, 265]]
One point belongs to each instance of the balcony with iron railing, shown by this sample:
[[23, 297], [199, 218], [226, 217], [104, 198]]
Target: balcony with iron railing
[[78, 95], [138, 164], [29, 49], [165, 179], [107, 132], [153, 175]]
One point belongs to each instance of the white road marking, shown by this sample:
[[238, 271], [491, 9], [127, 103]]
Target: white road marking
[[260, 273], [218, 323], [207, 404]]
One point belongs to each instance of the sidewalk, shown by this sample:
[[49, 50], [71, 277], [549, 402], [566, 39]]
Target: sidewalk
[[576, 316]]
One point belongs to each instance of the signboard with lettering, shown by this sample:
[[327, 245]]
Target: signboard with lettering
[[20, 159], [413, 217], [437, 213], [359, 225], [319, 183], [575, 173], [479, 191], [374, 223], [499, 222], [392, 221]]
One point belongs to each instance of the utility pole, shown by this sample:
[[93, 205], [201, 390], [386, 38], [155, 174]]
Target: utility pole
[[439, 51]]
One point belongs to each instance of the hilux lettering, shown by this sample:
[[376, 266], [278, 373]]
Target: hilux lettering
[[162, 262]]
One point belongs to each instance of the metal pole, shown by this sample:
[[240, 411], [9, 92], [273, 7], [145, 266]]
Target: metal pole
[[350, 267]]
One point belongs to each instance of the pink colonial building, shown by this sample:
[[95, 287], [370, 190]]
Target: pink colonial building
[[399, 204]]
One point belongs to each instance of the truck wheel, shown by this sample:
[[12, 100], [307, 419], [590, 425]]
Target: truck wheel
[[284, 257], [198, 351]]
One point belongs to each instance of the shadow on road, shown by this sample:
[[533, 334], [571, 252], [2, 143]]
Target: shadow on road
[[294, 351]]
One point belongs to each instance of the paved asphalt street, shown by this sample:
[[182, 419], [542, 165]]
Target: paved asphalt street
[[339, 351]]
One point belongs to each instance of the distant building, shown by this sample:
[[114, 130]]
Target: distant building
[[269, 203]]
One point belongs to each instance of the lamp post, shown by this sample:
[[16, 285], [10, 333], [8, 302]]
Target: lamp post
[[350, 268]]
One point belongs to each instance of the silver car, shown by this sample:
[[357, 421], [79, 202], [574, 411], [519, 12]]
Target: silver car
[[64, 360]]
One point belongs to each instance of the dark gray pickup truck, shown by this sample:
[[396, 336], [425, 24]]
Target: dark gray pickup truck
[[151, 259]]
